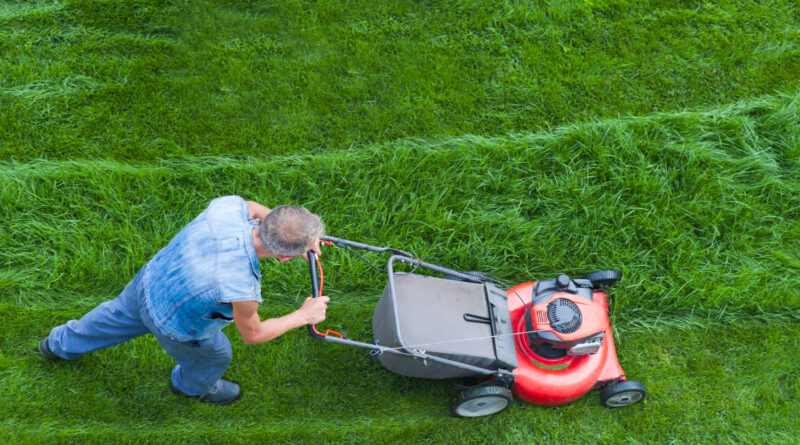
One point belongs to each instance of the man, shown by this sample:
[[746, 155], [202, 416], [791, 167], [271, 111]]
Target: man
[[205, 278]]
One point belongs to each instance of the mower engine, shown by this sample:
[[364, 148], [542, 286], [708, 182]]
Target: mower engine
[[568, 348], [563, 319]]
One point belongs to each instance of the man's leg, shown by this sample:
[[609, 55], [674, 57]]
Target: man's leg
[[111, 323], [201, 363]]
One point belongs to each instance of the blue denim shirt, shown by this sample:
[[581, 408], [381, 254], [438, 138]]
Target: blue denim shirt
[[212, 262]]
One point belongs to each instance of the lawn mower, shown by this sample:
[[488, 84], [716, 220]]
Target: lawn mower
[[547, 342]]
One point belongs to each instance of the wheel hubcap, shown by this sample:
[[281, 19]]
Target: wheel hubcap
[[624, 398], [482, 406]]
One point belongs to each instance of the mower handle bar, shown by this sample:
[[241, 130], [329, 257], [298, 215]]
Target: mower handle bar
[[338, 242], [312, 261]]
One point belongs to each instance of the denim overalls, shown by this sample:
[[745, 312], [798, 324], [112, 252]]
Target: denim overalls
[[182, 296]]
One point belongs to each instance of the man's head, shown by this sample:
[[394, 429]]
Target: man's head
[[289, 231]]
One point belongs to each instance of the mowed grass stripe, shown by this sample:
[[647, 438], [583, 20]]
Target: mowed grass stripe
[[698, 209], [715, 382], [138, 79]]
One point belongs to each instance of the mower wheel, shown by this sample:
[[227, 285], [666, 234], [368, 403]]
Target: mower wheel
[[603, 279], [617, 395], [483, 276], [481, 401]]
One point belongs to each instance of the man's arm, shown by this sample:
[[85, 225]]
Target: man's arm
[[257, 211], [253, 330]]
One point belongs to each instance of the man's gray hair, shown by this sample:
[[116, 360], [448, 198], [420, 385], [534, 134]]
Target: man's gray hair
[[290, 231]]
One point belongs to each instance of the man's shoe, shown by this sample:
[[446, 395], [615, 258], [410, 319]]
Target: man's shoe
[[224, 392], [44, 349]]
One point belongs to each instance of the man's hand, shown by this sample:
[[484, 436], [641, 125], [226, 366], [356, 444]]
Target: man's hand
[[313, 309]]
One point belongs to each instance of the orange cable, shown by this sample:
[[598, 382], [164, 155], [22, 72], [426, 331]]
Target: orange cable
[[321, 284]]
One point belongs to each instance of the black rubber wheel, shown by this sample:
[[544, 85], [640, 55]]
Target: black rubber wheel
[[481, 401], [622, 394], [483, 276], [603, 279]]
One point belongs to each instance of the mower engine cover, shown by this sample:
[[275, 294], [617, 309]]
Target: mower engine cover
[[563, 319]]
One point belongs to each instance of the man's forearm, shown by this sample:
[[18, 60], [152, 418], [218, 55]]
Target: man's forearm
[[253, 330], [275, 327]]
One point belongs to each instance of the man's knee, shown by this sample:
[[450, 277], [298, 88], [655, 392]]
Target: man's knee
[[217, 348]]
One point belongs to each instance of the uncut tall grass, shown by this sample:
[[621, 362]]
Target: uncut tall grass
[[697, 209]]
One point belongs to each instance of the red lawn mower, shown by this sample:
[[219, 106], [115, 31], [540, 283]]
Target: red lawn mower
[[546, 342]]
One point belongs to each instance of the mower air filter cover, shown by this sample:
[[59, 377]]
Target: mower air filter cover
[[564, 316]]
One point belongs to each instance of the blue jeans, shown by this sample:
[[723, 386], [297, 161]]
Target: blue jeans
[[200, 362]]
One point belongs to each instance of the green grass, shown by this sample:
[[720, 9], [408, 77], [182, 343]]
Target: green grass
[[707, 383], [146, 79], [698, 209], [704, 229], [524, 139]]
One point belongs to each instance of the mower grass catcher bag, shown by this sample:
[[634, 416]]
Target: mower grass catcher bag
[[468, 323]]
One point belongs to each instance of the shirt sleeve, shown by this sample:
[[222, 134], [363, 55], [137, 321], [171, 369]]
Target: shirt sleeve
[[237, 274]]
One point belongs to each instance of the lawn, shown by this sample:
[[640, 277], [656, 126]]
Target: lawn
[[524, 139]]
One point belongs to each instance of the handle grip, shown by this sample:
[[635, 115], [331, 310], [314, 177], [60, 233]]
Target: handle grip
[[312, 264]]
